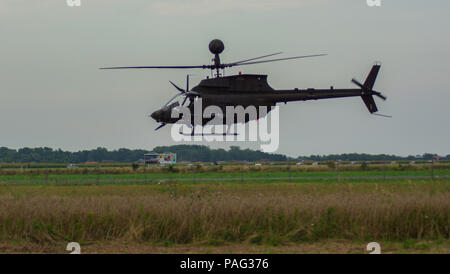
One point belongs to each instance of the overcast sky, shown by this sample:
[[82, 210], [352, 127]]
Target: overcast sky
[[53, 94]]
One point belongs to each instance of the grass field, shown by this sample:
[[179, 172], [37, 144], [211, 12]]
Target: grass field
[[224, 173], [407, 216]]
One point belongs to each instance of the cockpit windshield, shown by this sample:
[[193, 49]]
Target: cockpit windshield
[[174, 99]]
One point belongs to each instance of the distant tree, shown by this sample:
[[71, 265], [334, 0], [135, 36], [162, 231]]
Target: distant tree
[[331, 164], [364, 165], [195, 153]]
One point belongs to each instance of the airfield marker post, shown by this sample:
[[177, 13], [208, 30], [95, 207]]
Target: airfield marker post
[[432, 169], [337, 171], [145, 174], [195, 173], [98, 173]]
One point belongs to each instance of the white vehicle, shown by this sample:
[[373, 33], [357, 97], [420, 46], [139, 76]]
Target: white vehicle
[[160, 158]]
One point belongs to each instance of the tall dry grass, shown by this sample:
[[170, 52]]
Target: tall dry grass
[[169, 214], [218, 168]]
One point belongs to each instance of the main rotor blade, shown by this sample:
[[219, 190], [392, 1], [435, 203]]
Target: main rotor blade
[[239, 63], [243, 61], [161, 67], [274, 60]]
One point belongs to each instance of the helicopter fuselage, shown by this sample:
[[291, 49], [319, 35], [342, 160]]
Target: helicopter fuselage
[[247, 90]]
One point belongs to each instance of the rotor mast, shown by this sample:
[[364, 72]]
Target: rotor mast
[[216, 47]]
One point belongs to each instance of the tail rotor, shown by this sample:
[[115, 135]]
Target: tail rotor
[[367, 91]]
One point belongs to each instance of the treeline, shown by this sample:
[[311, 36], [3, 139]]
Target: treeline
[[195, 153], [370, 157], [48, 155], [205, 154]]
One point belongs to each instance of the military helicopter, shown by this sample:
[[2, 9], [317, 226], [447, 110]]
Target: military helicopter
[[250, 89]]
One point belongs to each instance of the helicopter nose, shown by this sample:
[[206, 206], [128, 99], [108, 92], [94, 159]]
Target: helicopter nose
[[155, 115]]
